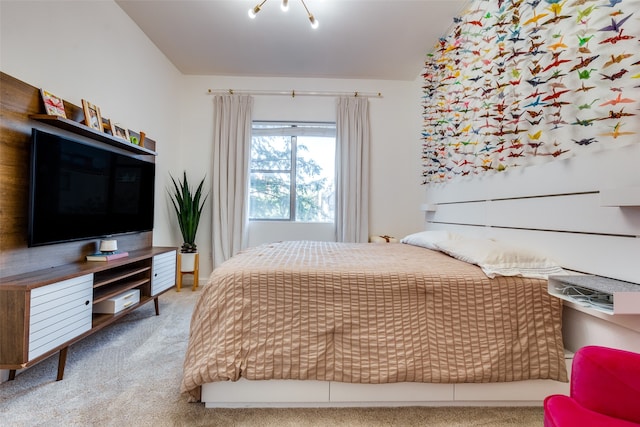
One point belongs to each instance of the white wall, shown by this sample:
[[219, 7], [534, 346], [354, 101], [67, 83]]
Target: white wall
[[396, 192], [92, 50]]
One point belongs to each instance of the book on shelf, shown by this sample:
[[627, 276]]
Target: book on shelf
[[107, 256]]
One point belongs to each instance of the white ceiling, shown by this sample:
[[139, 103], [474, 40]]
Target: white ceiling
[[359, 39]]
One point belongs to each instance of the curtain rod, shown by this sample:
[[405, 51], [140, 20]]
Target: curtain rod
[[293, 93]]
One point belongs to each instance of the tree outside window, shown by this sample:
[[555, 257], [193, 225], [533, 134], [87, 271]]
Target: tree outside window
[[292, 172]]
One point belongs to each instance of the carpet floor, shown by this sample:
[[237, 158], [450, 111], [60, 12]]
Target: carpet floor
[[129, 373]]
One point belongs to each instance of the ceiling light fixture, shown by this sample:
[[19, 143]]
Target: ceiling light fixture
[[256, 9], [284, 6]]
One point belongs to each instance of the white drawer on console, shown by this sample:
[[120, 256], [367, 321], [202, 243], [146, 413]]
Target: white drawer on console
[[167, 257], [163, 275], [59, 312], [118, 303]]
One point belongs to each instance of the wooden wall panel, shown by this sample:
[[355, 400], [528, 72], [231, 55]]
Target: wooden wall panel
[[18, 100]]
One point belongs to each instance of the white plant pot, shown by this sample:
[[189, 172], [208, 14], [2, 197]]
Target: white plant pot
[[187, 262]]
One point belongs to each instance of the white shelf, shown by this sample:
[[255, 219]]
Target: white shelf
[[619, 197], [598, 293]]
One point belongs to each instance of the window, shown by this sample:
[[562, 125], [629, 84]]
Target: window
[[292, 171]]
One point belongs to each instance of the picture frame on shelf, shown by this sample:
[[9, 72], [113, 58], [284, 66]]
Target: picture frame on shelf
[[119, 131], [137, 138], [92, 117], [53, 105], [106, 126]]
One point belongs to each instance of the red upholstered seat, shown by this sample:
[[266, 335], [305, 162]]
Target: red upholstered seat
[[605, 391]]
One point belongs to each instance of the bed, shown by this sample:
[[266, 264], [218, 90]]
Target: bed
[[341, 313]]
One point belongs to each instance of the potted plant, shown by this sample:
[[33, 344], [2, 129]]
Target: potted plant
[[188, 206]]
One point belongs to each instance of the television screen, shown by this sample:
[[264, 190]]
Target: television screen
[[79, 191]]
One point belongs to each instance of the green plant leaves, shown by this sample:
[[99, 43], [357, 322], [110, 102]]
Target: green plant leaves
[[188, 206]]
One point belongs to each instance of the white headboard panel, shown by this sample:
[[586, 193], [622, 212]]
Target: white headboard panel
[[583, 211]]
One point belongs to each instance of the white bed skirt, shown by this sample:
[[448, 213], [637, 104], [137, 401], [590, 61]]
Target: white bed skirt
[[294, 393]]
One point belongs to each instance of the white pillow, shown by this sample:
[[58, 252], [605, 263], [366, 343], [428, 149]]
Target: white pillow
[[427, 239], [500, 259]]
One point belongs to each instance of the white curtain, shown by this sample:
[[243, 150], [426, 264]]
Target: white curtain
[[352, 170], [230, 176]]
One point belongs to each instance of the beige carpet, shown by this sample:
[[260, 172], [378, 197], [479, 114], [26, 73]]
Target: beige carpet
[[128, 375]]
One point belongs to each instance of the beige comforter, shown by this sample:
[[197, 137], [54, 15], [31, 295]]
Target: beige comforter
[[369, 313]]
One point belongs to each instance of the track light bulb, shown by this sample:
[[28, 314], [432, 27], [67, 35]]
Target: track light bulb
[[285, 5], [314, 21], [254, 11]]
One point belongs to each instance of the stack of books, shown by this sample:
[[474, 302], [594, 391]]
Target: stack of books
[[107, 256]]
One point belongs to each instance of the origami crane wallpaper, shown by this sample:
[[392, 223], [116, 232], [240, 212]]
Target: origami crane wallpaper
[[518, 82]]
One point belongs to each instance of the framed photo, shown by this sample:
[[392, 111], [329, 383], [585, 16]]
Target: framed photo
[[53, 105], [119, 131], [92, 117]]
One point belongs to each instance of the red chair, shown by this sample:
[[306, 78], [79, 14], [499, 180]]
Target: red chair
[[604, 391]]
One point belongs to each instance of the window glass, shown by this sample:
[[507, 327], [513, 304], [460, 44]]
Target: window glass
[[315, 177], [292, 172]]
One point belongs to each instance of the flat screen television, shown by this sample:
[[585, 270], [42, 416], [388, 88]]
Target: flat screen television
[[79, 191]]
